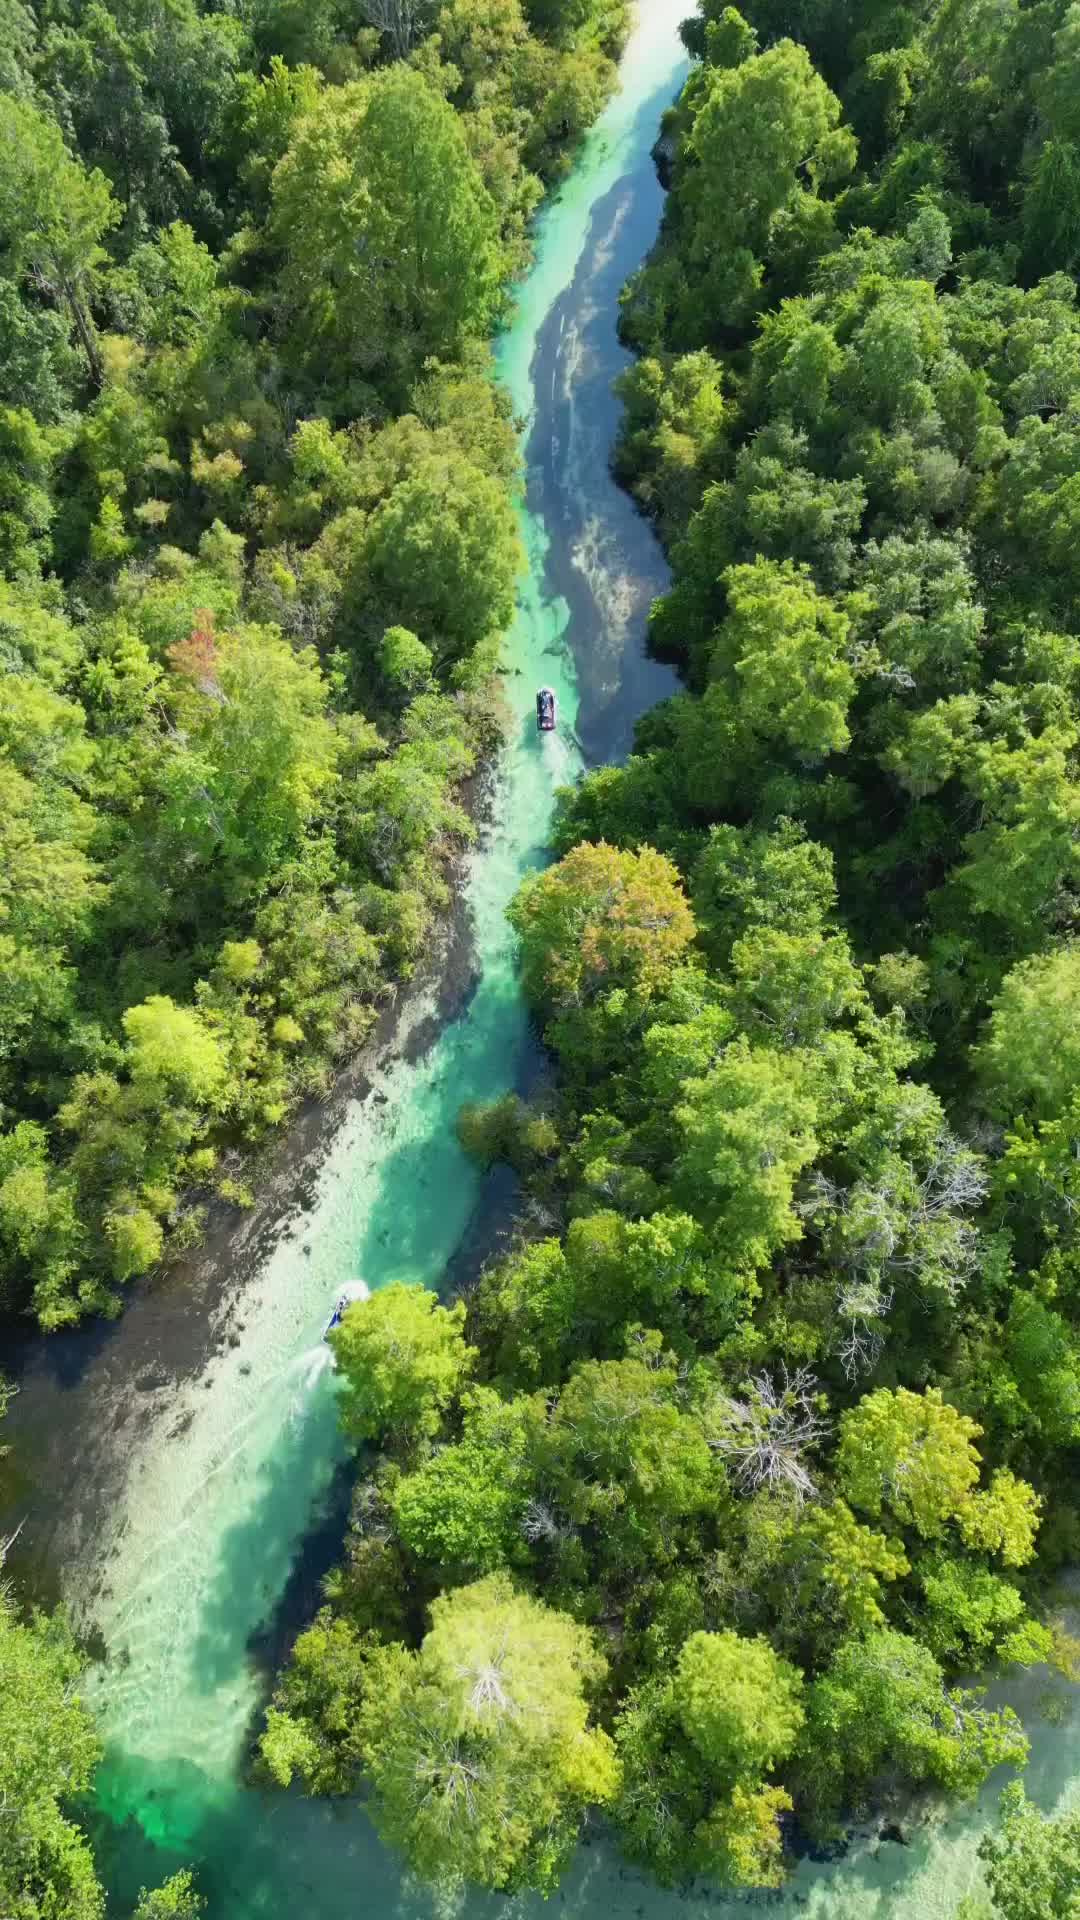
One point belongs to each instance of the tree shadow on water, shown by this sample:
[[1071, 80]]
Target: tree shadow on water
[[294, 1496], [257, 1854], [427, 1187]]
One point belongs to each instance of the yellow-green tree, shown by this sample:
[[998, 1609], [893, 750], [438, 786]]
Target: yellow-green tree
[[401, 1357], [479, 1746], [600, 920]]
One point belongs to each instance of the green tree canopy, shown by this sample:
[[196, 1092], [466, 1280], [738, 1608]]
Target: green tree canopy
[[479, 1745], [782, 650], [1032, 1861], [1030, 1057], [600, 919], [54, 214], [48, 1752], [756, 126], [391, 240], [883, 1701], [911, 1453], [748, 1131], [401, 1357], [738, 1703], [443, 556]]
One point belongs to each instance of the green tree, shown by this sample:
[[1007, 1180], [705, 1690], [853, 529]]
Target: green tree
[[748, 1130], [756, 127], [1032, 1861], [144, 94], [555, 1301], [738, 1702], [781, 649], [39, 1234], [1003, 1519], [479, 1746], [464, 1509], [912, 1453], [624, 1456], [792, 988], [53, 214], [48, 1752], [1024, 855], [402, 1357], [916, 611], [172, 1045], [255, 762], [312, 1725], [600, 919], [745, 879], [838, 1567], [178, 1898], [405, 663], [1052, 207], [261, 118], [968, 1612], [883, 1700], [692, 1748], [442, 556], [390, 239], [1030, 1057]]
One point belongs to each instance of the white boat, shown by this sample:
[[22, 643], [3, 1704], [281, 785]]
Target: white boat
[[356, 1290]]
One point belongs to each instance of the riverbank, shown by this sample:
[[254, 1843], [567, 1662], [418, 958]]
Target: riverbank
[[91, 1393]]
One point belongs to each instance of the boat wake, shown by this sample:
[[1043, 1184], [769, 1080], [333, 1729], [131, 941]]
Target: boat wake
[[319, 1360], [310, 1367]]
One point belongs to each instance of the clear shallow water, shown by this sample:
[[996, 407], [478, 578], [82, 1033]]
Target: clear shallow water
[[216, 1498]]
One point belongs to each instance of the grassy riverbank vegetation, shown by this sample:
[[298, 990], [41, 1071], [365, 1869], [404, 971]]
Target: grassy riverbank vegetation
[[257, 549], [764, 1436]]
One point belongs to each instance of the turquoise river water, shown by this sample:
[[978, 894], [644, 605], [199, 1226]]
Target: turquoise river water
[[179, 1554]]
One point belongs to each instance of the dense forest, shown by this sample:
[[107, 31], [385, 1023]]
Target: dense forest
[[705, 1504], [257, 549]]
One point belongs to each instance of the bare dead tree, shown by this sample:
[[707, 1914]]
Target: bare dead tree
[[488, 1693], [9, 1541], [448, 1775], [67, 288], [541, 1524], [541, 1216], [906, 1224], [399, 20], [864, 1307], [6, 1545], [766, 1437], [301, 605]]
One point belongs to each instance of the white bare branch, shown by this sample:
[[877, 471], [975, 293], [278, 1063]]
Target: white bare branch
[[765, 1437], [540, 1522], [399, 20]]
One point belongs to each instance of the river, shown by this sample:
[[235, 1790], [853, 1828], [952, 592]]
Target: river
[[187, 1511]]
